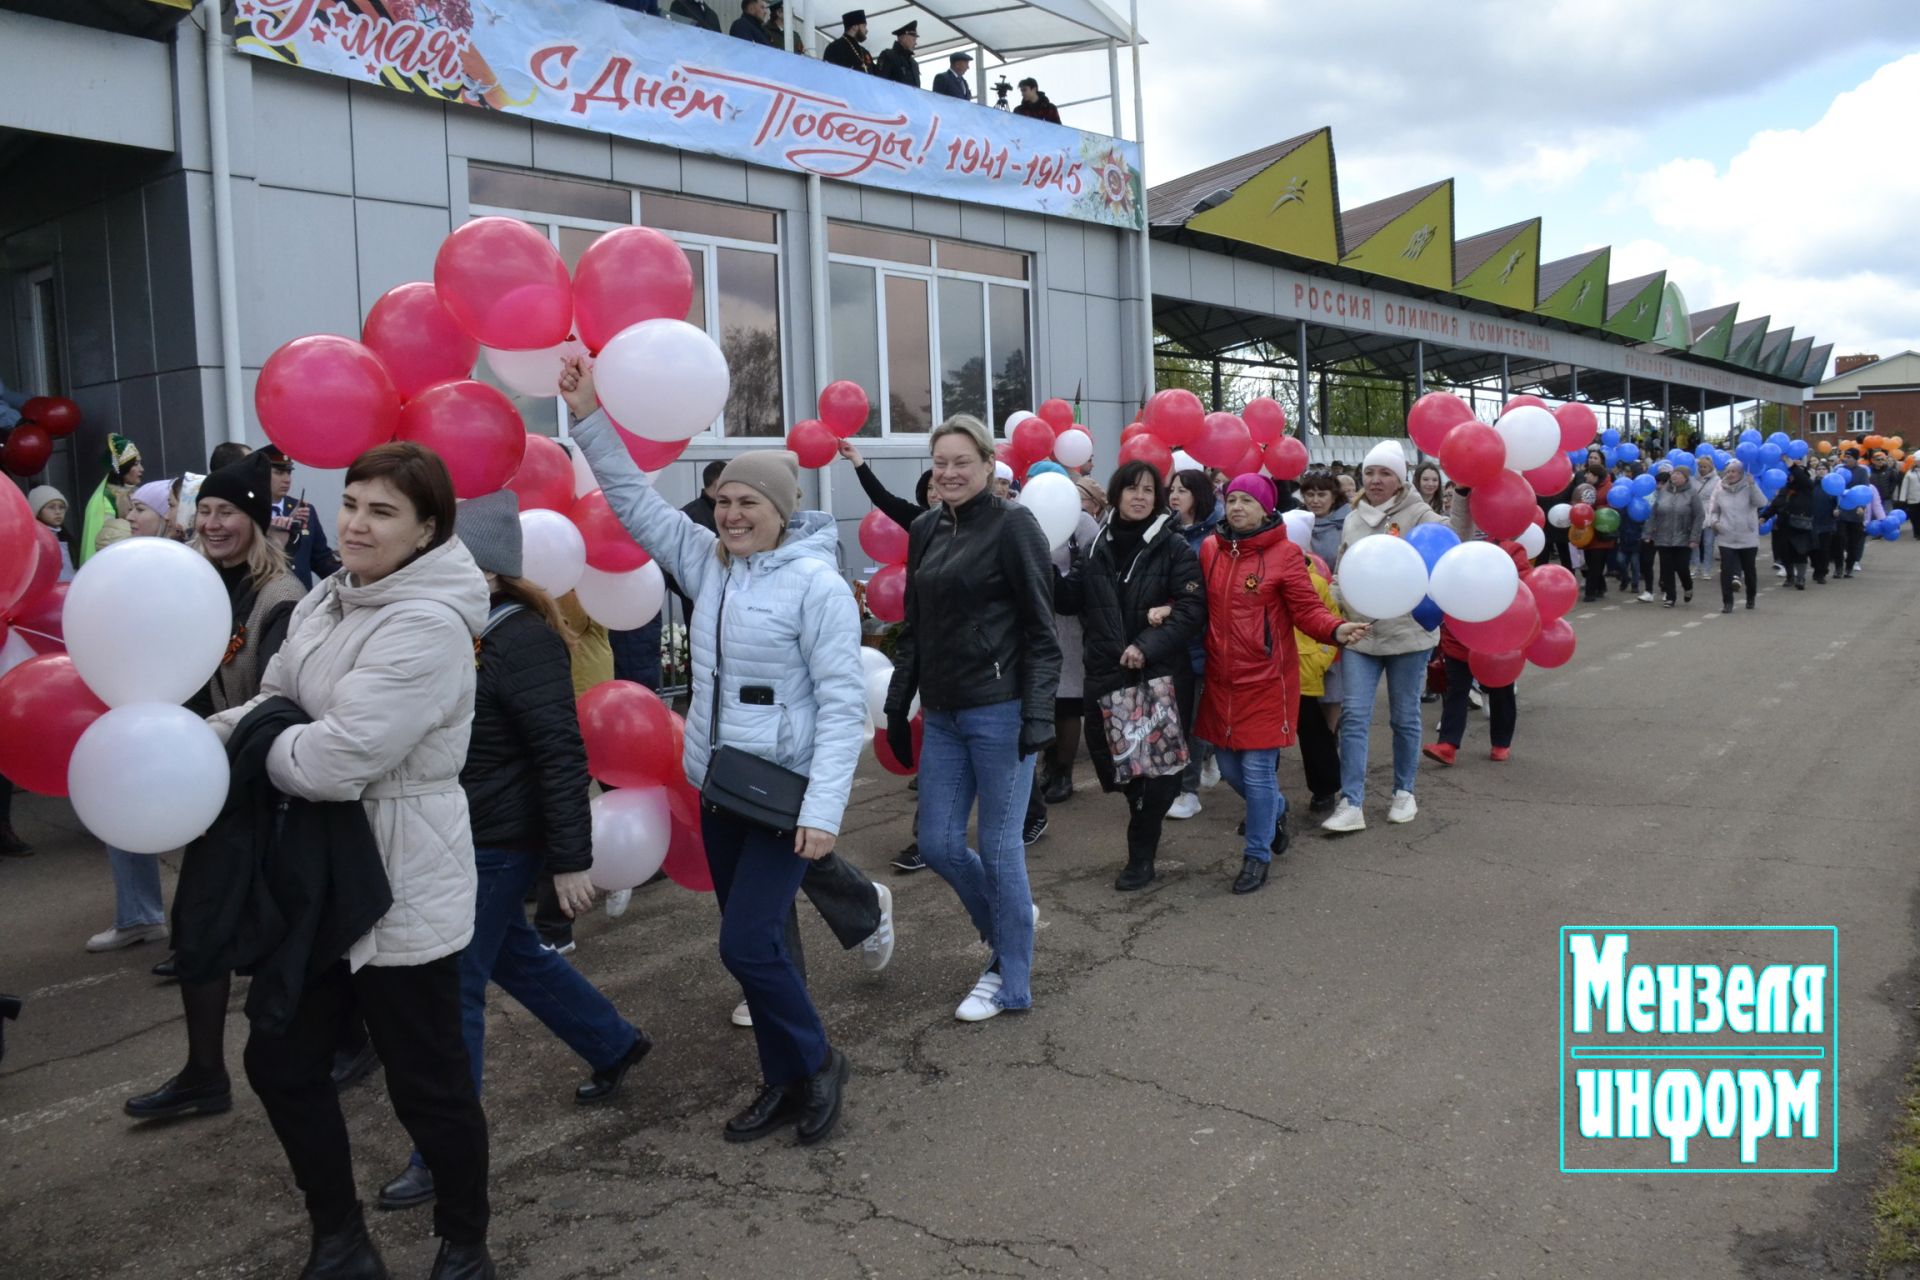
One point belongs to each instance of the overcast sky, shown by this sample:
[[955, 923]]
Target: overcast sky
[[1766, 151]]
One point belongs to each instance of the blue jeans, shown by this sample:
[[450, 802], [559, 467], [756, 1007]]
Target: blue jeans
[[136, 889], [1704, 556], [1406, 675], [1252, 774], [968, 754]]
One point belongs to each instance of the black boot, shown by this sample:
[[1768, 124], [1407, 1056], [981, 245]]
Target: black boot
[[462, 1262], [345, 1254], [1138, 873], [774, 1106], [602, 1085], [349, 1068], [414, 1187], [1059, 787], [820, 1099], [1282, 837], [1253, 874], [183, 1095], [11, 845]]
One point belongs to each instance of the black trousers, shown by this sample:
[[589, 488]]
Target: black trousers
[[845, 899], [1559, 550], [1825, 552], [1743, 561], [1503, 712], [1853, 540], [1319, 748], [1675, 562], [1596, 572], [1148, 800], [413, 1017]]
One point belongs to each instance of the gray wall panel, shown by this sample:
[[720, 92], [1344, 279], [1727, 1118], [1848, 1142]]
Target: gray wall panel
[[936, 217], [308, 288], [1066, 350], [887, 209], [1066, 256], [980, 225], [840, 200], [1213, 279], [86, 286], [713, 178], [488, 135], [644, 166], [561, 150], [306, 125], [397, 244], [1105, 342], [132, 294], [184, 419], [399, 147], [176, 272], [1103, 262], [1025, 231], [769, 190]]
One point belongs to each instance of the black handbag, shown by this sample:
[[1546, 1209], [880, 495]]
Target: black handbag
[[739, 783]]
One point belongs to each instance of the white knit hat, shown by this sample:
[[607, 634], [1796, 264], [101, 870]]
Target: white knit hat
[[1387, 454]]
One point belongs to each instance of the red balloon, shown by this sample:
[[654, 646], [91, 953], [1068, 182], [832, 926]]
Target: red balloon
[[1176, 416], [544, 480], [1056, 413], [1032, 439], [324, 400], [44, 708], [505, 284], [887, 593], [46, 570], [844, 407], [38, 621], [1550, 477], [1555, 645], [417, 339], [610, 548], [1265, 420], [884, 753], [1500, 505], [1578, 426], [1509, 632], [1580, 515], [648, 455], [474, 428], [1250, 462], [1538, 518], [686, 863], [1496, 670], [1473, 454], [19, 545], [1433, 417], [1555, 590], [27, 449], [1286, 458], [1516, 402], [1151, 449], [59, 415], [1132, 429], [814, 441], [1222, 441], [626, 277], [629, 735], [882, 539]]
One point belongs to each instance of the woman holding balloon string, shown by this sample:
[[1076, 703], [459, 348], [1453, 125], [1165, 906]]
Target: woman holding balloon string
[[777, 676], [525, 782]]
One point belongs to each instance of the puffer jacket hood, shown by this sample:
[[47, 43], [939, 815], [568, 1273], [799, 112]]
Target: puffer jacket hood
[[1397, 519], [386, 671]]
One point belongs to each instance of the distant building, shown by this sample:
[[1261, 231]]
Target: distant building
[[1867, 396]]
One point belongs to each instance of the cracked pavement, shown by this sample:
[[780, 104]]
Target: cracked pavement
[[1349, 1074]]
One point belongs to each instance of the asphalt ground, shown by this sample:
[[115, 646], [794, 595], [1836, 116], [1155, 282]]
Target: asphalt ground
[[1353, 1073]]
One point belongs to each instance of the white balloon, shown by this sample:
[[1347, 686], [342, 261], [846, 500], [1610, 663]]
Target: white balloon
[[1299, 526], [584, 481], [662, 379], [1073, 448], [1055, 503], [622, 601], [1184, 461], [878, 682], [1532, 436], [631, 830], [553, 555], [1560, 515], [148, 777], [147, 620], [1014, 419], [1533, 541], [872, 660], [14, 651], [1382, 576], [1473, 582], [533, 373]]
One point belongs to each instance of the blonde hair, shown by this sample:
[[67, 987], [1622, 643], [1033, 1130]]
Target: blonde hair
[[264, 560], [965, 424], [537, 602]]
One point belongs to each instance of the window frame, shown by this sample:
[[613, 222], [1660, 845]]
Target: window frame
[[1860, 422], [1822, 422]]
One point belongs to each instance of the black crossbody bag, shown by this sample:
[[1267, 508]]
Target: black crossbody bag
[[739, 783]]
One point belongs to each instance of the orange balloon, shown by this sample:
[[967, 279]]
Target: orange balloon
[[1580, 537], [1898, 442], [1824, 446]]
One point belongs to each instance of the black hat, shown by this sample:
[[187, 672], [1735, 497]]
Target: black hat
[[911, 29], [959, 57], [247, 484], [776, 7], [854, 18]]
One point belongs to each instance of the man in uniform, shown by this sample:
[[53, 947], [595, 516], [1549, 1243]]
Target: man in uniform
[[953, 81], [849, 50], [898, 63]]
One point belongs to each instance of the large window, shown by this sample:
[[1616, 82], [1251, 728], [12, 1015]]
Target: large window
[[1820, 422], [735, 256], [1860, 422], [929, 328]]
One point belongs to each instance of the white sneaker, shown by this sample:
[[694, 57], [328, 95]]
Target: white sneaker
[[1346, 817], [1403, 808], [1474, 699], [742, 1016], [114, 939], [979, 1004], [617, 902], [878, 948], [1646, 597], [1210, 773], [1185, 807]]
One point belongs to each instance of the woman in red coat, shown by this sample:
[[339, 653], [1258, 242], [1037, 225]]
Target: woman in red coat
[[1258, 591]]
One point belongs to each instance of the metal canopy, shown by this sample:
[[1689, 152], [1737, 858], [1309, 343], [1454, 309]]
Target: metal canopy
[[1009, 29]]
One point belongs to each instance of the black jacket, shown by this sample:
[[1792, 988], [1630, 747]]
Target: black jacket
[[1041, 108], [745, 28], [526, 770], [896, 509], [849, 53], [897, 65], [953, 85], [697, 11], [979, 624], [278, 887]]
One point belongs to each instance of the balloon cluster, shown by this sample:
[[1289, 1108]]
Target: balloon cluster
[[1887, 527], [1895, 447], [652, 822], [886, 542], [1047, 433], [877, 670], [843, 412], [1175, 432], [1526, 454], [97, 715], [30, 443]]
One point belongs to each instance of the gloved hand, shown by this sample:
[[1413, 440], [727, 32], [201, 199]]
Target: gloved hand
[[900, 739], [1035, 738]]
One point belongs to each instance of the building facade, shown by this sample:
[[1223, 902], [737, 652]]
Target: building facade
[[1867, 396]]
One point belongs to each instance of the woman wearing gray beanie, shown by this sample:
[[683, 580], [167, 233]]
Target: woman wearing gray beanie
[[776, 676]]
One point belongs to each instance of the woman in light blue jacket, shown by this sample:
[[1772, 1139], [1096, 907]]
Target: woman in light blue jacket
[[776, 631]]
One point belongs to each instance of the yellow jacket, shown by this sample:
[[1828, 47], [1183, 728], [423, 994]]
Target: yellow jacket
[[1316, 658]]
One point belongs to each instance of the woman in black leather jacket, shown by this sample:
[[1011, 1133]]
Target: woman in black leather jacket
[[1141, 604], [979, 646], [526, 784]]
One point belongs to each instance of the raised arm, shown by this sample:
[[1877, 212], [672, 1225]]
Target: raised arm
[[895, 508]]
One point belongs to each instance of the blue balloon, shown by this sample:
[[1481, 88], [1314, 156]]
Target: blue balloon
[[1720, 459], [1629, 453], [1620, 496], [1766, 526], [1644, 484], [1770, 455], [1703, 450], [1893, 534], [1748, 453], [1427, 613], [1576, 457], [1780, 438], [1796, 449], [1901, 516], [1609, 437], [1834, 483], [1639, 510], [1679, 457], [1611, 457], [1774, 475], [1750, 436], [1432, 541], [1876, 528]]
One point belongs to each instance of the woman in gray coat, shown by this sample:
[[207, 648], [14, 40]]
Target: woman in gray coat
[[1734, 514], [1674, 529]]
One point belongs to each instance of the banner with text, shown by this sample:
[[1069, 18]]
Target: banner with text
[[596, 66]]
